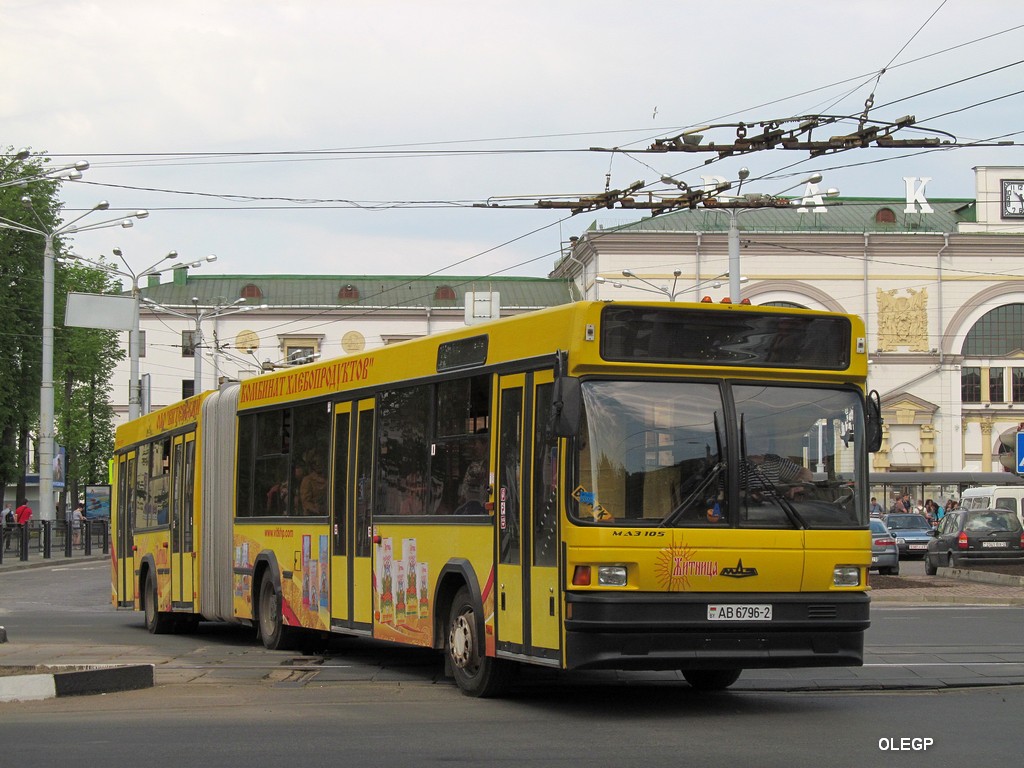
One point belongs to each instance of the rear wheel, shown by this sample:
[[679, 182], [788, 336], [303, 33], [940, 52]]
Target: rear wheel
[[475, 673], [157, 621], [273, 633], [711, 679]]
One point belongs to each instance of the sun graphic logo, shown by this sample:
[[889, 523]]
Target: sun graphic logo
[[677, 563]]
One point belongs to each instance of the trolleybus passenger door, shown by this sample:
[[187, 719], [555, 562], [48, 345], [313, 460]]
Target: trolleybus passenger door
[[541, 550], [360, 520], [183, 453], [509, 485], [124, 556], [341, 533], [529, 610]]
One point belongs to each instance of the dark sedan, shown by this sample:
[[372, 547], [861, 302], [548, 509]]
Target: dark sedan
[[912, 532], [975, 535]]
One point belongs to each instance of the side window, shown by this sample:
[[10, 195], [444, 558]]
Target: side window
[[283, 458], [402, 450], [434, 449], [311, 458], [460, 462], [273, 491]]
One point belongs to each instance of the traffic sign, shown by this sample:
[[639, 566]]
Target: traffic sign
[[1020, 453]]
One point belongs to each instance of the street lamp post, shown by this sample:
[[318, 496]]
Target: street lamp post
[[46, 425], [198, 316], [733, 208]]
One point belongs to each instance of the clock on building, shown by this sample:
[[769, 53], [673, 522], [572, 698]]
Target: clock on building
[[1012, 205]]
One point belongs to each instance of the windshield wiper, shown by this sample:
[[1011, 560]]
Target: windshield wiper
[[682, 506], [769, 491]]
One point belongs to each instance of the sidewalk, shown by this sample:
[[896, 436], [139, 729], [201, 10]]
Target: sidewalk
[[13, 562]]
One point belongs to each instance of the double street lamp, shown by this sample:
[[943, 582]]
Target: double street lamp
[[670, 293], [46, 422], [199, 314]]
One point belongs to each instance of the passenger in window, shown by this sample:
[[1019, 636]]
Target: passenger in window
[[414, 489], [298, 475], [313, 491], [474, 486], [277, 498], [769, 472]]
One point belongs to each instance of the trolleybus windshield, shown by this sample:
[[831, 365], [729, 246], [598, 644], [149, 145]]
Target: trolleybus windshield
[[709, 454]]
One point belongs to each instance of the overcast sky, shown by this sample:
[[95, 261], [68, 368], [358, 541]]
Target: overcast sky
[[355, 137]]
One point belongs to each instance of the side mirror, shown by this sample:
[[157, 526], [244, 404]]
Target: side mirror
[[873, 421], [566, 406]]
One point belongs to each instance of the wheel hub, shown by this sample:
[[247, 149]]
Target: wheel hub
[[460, 640]]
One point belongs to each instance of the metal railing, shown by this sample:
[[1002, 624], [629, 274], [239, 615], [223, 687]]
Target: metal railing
[[45, 538]]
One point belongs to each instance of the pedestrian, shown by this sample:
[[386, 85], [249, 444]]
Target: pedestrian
[[876, 509], [76, 523], [21, 516], [7, 523]]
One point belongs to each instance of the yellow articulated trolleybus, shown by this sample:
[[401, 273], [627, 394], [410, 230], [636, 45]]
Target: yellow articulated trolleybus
[[594, 486]]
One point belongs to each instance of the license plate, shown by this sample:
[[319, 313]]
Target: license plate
[[740, 612], [993, 544], [919, 546], [874, 558]]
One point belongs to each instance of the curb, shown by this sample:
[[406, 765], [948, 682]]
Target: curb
[[74, 681], [982, 577]]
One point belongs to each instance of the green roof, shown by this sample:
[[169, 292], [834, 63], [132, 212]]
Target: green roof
[[325, 291], [844, 214]]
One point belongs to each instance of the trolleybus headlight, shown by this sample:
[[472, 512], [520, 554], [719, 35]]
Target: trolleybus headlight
[[846, 576], [611, 575]]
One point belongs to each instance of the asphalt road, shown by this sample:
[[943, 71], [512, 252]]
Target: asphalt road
[[951, 674]]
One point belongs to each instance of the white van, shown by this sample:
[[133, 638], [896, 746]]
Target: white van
[[992, 496]]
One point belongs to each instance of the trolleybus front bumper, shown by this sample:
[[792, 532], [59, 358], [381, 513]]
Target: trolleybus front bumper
[[673, 631]]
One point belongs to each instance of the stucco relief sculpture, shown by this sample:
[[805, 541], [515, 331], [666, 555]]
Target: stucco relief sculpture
[[903, 320]]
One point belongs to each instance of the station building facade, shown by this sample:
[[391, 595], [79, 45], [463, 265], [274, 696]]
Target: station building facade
[[940, 284]]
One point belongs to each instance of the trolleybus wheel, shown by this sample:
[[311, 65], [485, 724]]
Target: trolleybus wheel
[[274, 634], [157, 622], [711, 679], [475, 673]]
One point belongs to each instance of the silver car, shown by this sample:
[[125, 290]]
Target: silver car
[[885, 556], [912, 532]]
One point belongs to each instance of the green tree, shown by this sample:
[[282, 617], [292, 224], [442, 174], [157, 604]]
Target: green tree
[[83, 358], [21, 297]]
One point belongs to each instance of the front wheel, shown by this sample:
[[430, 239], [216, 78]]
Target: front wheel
[[157, 621], [475, 673], [930, 569], [711, 679]]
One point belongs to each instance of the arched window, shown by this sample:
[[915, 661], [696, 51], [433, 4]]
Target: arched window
[[348, 293], [885, 216], [252, 291], [997, 334], [787, 304], [444, 293]]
